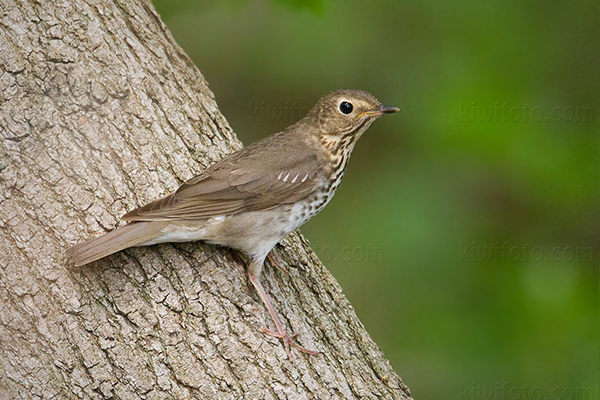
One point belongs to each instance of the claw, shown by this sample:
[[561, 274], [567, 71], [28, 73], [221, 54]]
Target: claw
[[280, 333], [288, 341]]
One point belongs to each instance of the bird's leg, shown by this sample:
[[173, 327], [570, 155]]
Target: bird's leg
[[254, 270]]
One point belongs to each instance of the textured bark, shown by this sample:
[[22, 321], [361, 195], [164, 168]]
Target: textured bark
[[101, 112]]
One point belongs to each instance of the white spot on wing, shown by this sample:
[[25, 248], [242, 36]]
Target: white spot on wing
[[279, 176], [296, 177], [304, 179], [286, 177], [217, 220]]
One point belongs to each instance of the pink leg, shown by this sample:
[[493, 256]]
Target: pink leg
[[254, 276]]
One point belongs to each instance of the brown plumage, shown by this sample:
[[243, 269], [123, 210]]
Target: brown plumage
[[253, 198]]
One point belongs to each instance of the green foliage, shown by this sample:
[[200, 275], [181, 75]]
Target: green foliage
[[315, 6], [466, 231]]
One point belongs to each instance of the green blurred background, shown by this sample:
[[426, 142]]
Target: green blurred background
[[466, 233]]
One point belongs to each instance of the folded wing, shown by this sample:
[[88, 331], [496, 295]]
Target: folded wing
[[233, 186]]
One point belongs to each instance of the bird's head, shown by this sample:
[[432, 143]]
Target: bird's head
[[348, 113]]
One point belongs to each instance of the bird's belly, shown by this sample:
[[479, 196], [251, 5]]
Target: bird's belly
[[258, 231], [253, 232]]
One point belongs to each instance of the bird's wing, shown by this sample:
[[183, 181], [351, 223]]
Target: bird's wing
[[234, 185]]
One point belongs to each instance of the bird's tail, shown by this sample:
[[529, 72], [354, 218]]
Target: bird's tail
[[130, 235]]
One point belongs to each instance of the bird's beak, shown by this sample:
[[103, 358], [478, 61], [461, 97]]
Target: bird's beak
[[383, 109], [388, 109]]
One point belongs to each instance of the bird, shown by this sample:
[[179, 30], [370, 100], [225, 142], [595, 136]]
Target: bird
[[253, 198]]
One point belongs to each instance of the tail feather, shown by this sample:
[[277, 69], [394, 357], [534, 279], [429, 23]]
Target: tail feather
[[130, 235]]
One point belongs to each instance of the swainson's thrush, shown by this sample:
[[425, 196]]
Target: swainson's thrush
[[253, 198]]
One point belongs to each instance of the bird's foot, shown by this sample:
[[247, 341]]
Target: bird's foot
[[280, 333], [288, 341]]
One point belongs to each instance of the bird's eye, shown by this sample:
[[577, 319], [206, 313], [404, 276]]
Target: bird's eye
[[345, 107]]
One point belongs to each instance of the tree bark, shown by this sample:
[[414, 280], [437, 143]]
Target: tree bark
[[102, 112]]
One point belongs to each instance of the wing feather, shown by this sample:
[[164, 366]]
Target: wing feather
[[233, 186]]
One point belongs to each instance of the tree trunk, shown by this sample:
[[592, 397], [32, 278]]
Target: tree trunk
[[102, 112]]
